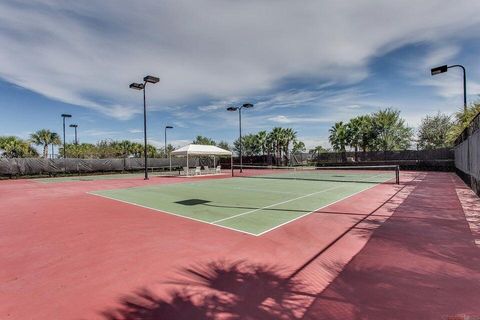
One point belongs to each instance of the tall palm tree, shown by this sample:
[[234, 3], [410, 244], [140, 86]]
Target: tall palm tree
[[354, 134], [44, 137], [262, 141], [339, 138], [276, 136], [288, 137]]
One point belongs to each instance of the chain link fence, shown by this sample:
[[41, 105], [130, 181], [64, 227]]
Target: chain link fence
[[34, 166], [467, 155]]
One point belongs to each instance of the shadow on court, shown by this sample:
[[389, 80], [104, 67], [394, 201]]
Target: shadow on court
[[421, 264], [194, 202], [233, 290], [229, 290]]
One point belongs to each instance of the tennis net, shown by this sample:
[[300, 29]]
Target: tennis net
[[361, 174]]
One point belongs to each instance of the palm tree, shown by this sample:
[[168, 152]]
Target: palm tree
[[262, 141], [151, 151], [276, 138], [298, 146], [44, 137], [339, 138], [13, 147], [204, 140], [288, 137], [137, 149], [354, 134], [125, 148], [56, 141]]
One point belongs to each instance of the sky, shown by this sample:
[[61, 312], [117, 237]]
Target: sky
[[304, 65]]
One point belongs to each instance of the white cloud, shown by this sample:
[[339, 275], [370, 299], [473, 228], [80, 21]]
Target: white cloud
[[446, 85], [135, 130], [95, 132], [160, 144], [287, 119], [312, 142], [86, 54]]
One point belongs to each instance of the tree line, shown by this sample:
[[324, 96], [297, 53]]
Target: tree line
[[279, 142], [384, 130]]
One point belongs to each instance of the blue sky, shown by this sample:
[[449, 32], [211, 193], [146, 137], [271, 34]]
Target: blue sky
[[303, 66]]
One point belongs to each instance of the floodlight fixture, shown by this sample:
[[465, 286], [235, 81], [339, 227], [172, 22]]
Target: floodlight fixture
[[151, 79], [141, 86], [65, 115], [444, 68], [438, 70], [137, 86], [167, 127], [75, 126], [247, 106]]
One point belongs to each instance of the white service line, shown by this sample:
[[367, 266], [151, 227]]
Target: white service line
[[173, 214], [322, 207], [290, 200], [246, 189]]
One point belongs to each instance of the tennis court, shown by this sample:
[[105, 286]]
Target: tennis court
[[258, 199]]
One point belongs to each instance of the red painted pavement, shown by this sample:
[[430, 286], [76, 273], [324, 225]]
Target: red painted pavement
[[65, 254], [421, 264]]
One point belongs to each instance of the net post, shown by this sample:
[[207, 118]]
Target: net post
[[231, 164], [397, 174]]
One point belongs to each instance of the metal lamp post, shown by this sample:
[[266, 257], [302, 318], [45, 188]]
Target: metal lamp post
[[142, 86], [166, 127], [247, 106], [75, 126], [445, 68], [64, 115]]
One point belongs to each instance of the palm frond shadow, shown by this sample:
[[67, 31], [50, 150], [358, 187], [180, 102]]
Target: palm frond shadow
[[219, 289]]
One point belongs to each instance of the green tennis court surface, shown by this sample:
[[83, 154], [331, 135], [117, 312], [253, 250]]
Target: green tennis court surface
[[255, 203]]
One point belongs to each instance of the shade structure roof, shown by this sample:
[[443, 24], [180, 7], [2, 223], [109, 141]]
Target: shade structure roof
[[200, 150]]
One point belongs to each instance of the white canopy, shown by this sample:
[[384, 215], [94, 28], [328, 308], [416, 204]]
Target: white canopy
[[200, 150]]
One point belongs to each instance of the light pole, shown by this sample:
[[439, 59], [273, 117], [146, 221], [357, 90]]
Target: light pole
[[247, 106], [142, 86], [166, 127], [64, 115], [75, 126], [445, 68]]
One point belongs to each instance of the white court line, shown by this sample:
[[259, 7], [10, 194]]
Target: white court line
[[230, 228], [174, 214], [245, 189], [327, 205], [290, 200]]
